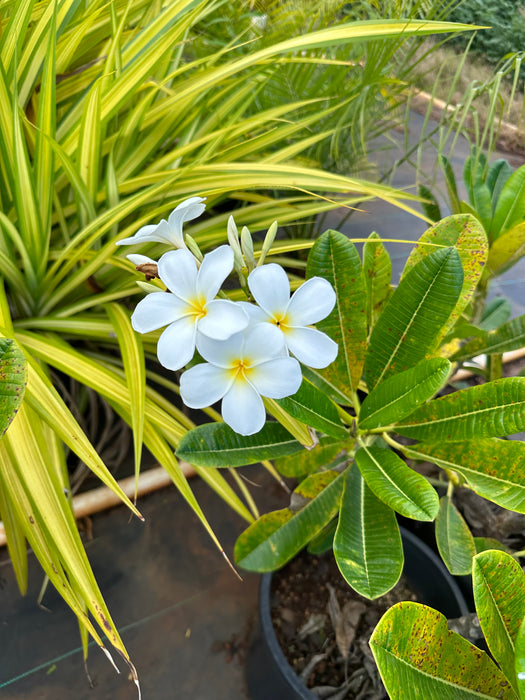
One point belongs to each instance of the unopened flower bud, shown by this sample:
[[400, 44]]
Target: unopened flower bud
[[194, 248], [268, 242], [247, 248]]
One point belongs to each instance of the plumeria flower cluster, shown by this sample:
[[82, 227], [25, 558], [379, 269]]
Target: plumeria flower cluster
[[250, 350]]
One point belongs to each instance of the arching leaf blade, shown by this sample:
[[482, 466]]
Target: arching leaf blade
[[488, 410], [377, 271], [465, 233], [499, 594], [396, 484], [367, 542], [276, 537], [336, 259], [493, 468], [399, 395], [507, 250], [509, 336], [217, 445], [312, 407], [454, 539], [408, 329], [419, 657], [12, 381]]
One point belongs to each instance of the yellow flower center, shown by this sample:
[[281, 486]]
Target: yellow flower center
[[241, 367], [281, 321], [198, 308]]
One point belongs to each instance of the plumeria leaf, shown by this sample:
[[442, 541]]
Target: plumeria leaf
[[367, 543], [410, 324], [12, 381], [336, 259], [314, 408], [485, 543], [499, 594], [465, 233], [396, 484], [510, 336], [276, 537], [217, 445], [509, 209], [507, 250], [414, 649], [496, 312], [493, 468], [399, 395], [327, 386], [454, 539], [488, 410], [377, 270], [308, 461]]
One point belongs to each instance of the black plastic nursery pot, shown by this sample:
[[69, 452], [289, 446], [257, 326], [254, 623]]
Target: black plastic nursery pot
[[269, 675]]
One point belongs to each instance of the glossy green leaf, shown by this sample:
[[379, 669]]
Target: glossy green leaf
[[277, 537], [411, 322], [510, 208], [377, 271], [485, 543], [482, 204], [430, 205], [465, 233], [396, 484], [474, 171], [510, 336], [217, 445], [367, 543], [488, 410], [399, 395], [496, 312], [507, 250], [450, 181], [498, 174], [12, 381], [324, 540], [454, 539], [308, 461], [336, 259], [312, 407], [132, 354], [326, 385], [499, 594], [493, 468], [419, 657]]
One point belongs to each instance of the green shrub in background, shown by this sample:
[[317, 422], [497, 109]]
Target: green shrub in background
[[506, 19]]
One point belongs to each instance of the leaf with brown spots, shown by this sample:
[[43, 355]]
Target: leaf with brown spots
[[12, 381], [466, 234], [419, 657], [499, 594], [495, 409]]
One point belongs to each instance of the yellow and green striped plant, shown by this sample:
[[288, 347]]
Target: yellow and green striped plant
[[108, 118]]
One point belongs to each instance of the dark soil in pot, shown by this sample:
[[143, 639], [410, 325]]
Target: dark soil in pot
[[303, 605]]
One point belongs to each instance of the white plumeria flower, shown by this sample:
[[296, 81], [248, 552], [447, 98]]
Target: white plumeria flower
[[191, 311], [138, 259], [240, 371], [310, 303], [169, 231]]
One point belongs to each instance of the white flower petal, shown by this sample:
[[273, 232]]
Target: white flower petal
[[223, 319], [222, 353], [176, 345], [156, 310], [215, 267], [277, 378], [203, 385], [185, 211], [242, 408], [255, 313], [138, 259], [178, 271], [145, 234], [263, 342], [166, 234], [270, 288], [311, 347], [311, 302]]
